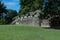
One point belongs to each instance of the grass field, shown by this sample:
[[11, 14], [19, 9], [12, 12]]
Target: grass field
[[26, 32]]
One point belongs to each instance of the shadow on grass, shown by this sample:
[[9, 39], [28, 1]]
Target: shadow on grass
[[57, 28]]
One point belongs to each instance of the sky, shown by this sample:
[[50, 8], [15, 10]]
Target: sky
[[12, 4]]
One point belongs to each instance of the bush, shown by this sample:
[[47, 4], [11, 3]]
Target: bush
[[2, 21], [54, 22]]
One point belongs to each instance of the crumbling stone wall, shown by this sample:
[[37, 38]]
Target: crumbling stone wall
[[32, 19]]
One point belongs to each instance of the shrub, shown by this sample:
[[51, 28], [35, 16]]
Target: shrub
[[54, 22], [2, 21]]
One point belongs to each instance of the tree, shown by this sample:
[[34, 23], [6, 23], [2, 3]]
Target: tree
[[52, 12], [51, 8], [30, 5], [2, 9], [10, 15]]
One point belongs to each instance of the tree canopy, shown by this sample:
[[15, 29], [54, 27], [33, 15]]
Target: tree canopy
[[2, 9], [30, 5], [9, 14], [52, 8]]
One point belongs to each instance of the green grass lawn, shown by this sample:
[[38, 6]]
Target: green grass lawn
[[26, 32]]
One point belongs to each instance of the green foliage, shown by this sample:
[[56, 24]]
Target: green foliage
[[30, 5], [11, 13], [51, 11], [55, 22], [2, 9], [52, 8], [24, 11], [2, 21]]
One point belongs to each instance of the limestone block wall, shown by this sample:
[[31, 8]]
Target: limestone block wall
[[32, 19], [28, 20]]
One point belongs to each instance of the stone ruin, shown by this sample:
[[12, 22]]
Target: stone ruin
[[32, 19]]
